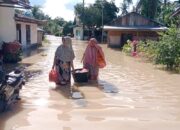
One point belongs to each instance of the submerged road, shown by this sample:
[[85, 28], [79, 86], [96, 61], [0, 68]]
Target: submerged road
[[130, 95]]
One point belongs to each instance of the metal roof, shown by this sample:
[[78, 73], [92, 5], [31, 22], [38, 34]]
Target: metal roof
[[15, 3], [134, 28], [175, 13], [156, 22], [22, 18]]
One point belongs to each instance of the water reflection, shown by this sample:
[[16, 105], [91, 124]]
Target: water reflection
[[69, 92], [107, 87], [32, 74], [33, 51]]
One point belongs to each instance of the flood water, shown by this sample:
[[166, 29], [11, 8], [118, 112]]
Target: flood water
[[130, 95]]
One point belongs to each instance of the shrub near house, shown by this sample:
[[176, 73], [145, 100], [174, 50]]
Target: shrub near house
[[12, 52], [166, 51]]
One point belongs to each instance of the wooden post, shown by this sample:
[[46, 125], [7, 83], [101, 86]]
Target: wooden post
[[83, 19]]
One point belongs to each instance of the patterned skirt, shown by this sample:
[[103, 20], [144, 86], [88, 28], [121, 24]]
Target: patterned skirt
[[64, 69]]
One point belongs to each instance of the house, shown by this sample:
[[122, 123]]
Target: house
[[27, 30], [78, 32], [15, 26], [176, 13], [78, 29], [132, 26]]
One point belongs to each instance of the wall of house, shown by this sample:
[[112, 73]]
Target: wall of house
[[114, 37], [78, 33], [34, 33], [7, 25], [40, 37], [23, 33]]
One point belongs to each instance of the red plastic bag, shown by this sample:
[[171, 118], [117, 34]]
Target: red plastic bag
[[53, 76]]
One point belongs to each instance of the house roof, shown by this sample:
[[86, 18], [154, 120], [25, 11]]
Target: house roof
[[134, 28], [176, 13], [22, 18], [40, 30], [140, 16], [15, 3]]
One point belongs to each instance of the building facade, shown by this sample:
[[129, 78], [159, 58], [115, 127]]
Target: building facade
[[17, 27]]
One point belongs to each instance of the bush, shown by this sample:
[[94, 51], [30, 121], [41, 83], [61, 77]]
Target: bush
[[12, 52], [148, 49], [127, 48], [46, 40], [168, 49]]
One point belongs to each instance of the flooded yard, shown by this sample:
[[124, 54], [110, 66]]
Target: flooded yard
[[130, 95]]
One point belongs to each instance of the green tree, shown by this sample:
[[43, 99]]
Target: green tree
[[124, 7], [92, 15], [148, 8], [168, 49], [38, 13], [60, 21], [68, 28]]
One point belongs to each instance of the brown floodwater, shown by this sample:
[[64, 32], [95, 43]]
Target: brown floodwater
[[130, 95]]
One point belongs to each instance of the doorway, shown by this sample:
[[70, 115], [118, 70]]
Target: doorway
[[18, 33], [124, 38]]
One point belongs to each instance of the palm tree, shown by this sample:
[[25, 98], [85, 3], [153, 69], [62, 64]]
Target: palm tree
[[124, 6], [128, 1], [148, 8]]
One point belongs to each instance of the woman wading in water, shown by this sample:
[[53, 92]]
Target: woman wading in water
[[63, 61], [93, 59]]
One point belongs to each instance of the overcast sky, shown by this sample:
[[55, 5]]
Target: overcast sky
[[63, 8]]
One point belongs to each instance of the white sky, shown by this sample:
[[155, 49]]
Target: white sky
[[65, 8]]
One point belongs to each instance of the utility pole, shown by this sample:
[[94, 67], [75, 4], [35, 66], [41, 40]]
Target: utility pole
[[83, 19], [102, 21]]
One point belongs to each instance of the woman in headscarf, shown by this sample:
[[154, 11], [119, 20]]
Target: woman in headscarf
[[63, 60], [93, 59]]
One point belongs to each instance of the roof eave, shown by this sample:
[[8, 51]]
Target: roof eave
[[29, 20], [112, 28], [15, 4]]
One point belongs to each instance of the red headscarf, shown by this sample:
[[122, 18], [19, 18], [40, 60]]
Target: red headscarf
[[94, 54]]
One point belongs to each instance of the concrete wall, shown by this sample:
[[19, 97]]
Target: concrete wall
[[34, 33], [7, 25], [39, 38]]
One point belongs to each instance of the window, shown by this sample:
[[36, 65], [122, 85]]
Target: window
[[28, 34]]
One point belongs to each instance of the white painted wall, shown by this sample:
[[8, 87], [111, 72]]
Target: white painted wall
[[78, 33], [7, 24], [33, 33]]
